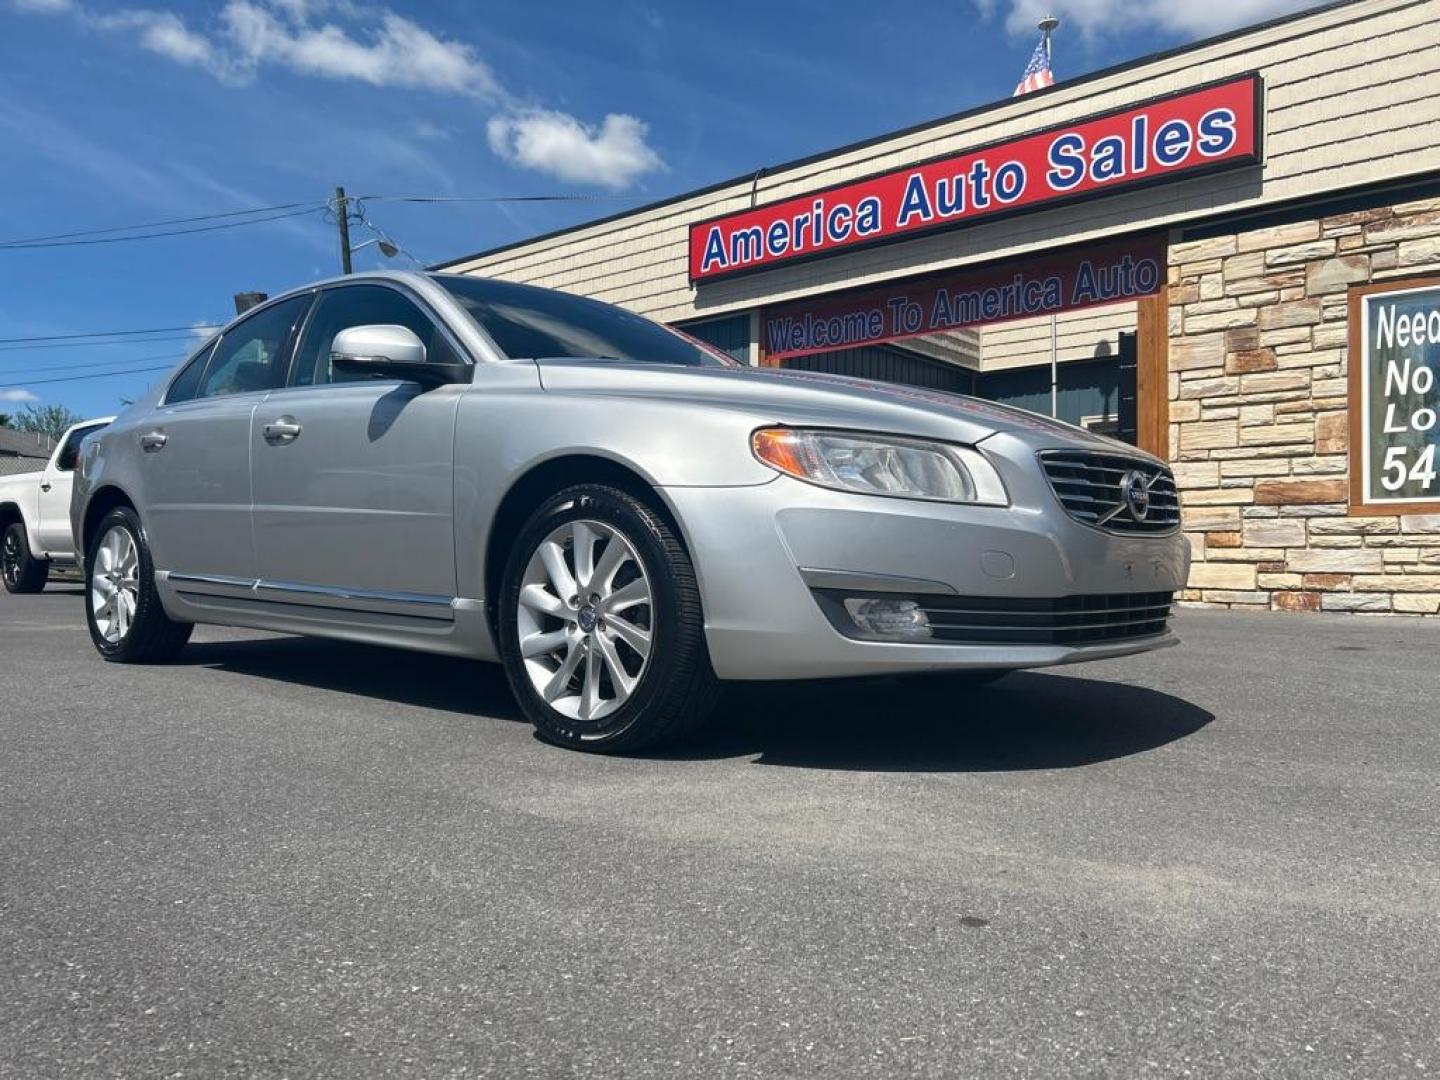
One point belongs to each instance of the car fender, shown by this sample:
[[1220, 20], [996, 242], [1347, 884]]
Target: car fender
[[505, 433]]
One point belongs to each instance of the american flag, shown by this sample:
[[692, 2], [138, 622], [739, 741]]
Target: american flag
[[1037, 72]]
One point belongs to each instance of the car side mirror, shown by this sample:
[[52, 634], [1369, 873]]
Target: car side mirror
[[390, 352]]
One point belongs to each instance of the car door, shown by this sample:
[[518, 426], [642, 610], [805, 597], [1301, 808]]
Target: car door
[[52, 529], [353, 476], [195, 459]]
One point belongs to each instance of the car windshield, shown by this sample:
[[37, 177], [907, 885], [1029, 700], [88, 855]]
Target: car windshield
[[529, 323]]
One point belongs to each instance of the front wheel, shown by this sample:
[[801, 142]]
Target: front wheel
[[601, 630], [122, 607], [19, 569]]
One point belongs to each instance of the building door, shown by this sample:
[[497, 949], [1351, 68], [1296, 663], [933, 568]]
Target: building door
[[1128, 405]]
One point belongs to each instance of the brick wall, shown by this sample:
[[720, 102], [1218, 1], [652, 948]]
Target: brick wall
[[1258, 416]]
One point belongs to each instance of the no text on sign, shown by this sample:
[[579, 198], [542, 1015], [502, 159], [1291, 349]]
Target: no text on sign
[[1179, 136]]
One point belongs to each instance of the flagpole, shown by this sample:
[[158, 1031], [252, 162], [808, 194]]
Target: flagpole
[[1048, 26]]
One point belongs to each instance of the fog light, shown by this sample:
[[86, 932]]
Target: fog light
[[889, 618]]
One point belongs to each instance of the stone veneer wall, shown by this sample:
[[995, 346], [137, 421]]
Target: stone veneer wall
[[1258, 416]]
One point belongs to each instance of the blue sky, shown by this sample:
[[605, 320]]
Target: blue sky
[[113, 115]]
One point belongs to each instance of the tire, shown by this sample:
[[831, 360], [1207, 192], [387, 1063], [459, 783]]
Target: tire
[[660, 695], [19, 569], [122, 608]]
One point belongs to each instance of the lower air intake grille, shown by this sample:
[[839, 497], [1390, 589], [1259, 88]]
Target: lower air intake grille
[[1114, 492], [988, 620]]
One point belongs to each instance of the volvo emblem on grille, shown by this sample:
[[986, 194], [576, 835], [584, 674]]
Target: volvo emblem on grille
[[1135, 492]]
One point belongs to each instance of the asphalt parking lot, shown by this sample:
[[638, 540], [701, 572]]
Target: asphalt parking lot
[[283, 857]]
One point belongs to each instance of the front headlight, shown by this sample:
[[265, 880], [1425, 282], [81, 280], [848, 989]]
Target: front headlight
[[881, 465]]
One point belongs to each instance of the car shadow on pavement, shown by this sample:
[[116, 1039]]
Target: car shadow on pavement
[[446, 683], [1027, 720]]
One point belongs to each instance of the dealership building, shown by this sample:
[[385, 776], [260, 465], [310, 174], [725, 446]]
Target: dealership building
[[1227, 255]]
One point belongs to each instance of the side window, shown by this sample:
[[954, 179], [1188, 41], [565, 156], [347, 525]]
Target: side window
[[251, 354], [188, 381], [69, 454], [360, 305]]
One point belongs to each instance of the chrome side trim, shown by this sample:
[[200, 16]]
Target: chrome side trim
[[355, 601], [861, 582], [207, 579], [338, 593]]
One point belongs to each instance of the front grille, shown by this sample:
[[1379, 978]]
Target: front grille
[[988, 620], [1091, 488]]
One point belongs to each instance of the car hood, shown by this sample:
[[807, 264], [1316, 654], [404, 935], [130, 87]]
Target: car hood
[[774, 395]]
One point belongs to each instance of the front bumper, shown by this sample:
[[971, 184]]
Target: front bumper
[[760, 552]]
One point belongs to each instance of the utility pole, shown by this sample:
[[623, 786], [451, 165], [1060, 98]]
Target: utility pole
[[342, 218]]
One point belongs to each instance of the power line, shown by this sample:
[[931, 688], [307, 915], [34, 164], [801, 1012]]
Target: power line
[[157, 235], [101, 375], [79, 367], [110, 333], [155, 224], [93, 344], [280, 211], [489, 198]]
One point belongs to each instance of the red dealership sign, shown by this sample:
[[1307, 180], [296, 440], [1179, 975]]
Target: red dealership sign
[[1180, 136], [1065, 281]]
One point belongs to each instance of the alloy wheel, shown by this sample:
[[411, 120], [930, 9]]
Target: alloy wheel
[[585, 619], [115, 584], [10, 560]]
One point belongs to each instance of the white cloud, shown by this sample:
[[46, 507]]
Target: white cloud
[[396, 53], [17, 395], [165, 33], [168, 36], [1098, 18], [349, 40], [614, 154]]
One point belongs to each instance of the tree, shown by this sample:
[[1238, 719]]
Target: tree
[[51, 420], [4, 419]]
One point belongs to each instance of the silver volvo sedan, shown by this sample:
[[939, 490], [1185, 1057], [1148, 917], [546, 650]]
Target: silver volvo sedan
[[621, 515]]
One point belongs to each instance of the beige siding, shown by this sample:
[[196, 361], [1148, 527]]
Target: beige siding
[[958, 347], [1351, 99], [1080, 335]]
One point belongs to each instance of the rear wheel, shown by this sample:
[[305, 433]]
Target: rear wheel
[[19, 569], [600, 625], [127, 623]]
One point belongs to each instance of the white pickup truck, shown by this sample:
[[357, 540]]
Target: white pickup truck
[[35, 515]]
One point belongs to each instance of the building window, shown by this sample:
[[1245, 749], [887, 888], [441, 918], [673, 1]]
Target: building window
[[730, 334]]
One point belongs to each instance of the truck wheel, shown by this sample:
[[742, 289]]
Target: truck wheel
[[127, 623], [600, 625], [21, 571]]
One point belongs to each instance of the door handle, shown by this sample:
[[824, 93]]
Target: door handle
[[153, 440], [284, 430], [45, 485]]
